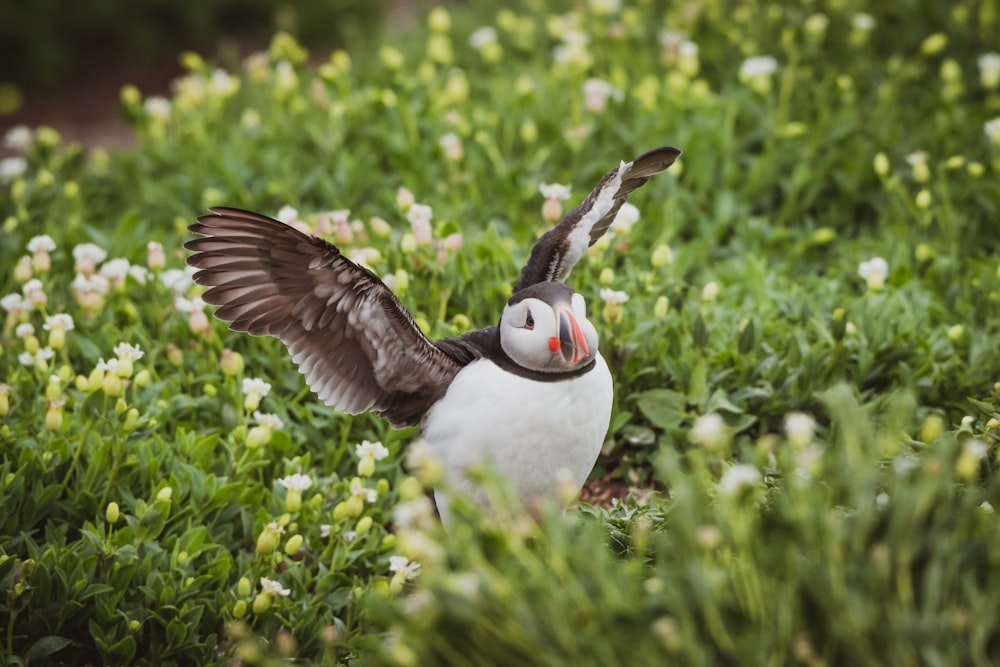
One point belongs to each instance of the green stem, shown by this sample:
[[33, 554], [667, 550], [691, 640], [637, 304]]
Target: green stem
[[76, 454]]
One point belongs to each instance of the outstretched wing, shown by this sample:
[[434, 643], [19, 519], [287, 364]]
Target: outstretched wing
[[561, 247], [355, 343]]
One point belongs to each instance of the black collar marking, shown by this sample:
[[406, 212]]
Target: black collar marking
[[485, 344]]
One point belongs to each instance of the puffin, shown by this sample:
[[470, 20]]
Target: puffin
[[529, 396]]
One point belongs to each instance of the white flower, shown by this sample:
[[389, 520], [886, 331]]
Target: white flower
[[862, 21], [627, 216], [157, 107], [298, 481], [482, 37], [274, 423], [358, 489], [109, 366], [595, 95], [288, 214], [324, 530], [223, 83], [738, 477], [177, 280], [139, 273], [275, 528], [451, 146], [257, 386], [14, 301], [349, 536], [115, 270], [799, 427], [613, 296], [708, 429], [905, 463], [419, 216], [28, 359], [404, 565], [185, 305], [87, 256], [18, 138], [58, 321], [414, 513], [377, 450], [758, 66], [989, 70], [992, 129], [23, 330], [43, 243], [11, 168], [986, 507], [128, 351], [975, 448], [273, 587], [874, 272], [95, 284], [554, 191], [882, 500]]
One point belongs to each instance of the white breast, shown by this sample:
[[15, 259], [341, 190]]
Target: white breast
[[525, 430]]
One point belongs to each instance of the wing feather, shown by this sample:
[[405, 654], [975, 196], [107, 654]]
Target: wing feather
[[560, 248], [355, 343]]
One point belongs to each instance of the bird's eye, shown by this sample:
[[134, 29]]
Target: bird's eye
[[529, 321]]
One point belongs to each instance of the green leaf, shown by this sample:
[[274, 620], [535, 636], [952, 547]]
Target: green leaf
[[698, 384], [664, 408], [45, 647]]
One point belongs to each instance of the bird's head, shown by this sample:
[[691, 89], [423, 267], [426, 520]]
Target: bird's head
[[544, 327]]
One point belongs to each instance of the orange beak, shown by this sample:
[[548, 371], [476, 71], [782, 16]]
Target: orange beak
[[572, 342]]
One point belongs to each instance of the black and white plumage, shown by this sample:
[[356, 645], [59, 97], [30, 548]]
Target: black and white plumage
[[532, 394]]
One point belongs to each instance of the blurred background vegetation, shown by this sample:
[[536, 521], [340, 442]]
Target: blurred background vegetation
[[47, 45]]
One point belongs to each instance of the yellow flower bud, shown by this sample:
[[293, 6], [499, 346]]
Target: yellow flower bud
[[165, 494], [366, 466], [410, 489], [243, 587], [142, 378], [112, 513], [661, 307], [934, 44], [239, 609], [54, 419], [363, 526], [932, 429], [710, 291], [268, 541], [57, 338], [881, 164], [293, 545], [261, 603], [355, 506], [131, 419], [231, 363], [111, 384], [439, 20], [293, 500], [607, 276], [124, 367], [340, 511]]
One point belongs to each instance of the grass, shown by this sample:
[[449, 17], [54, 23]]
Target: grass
[[808, 435]]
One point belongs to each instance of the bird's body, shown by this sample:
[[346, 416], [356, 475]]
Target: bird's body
[[530, 396], [491, 416]]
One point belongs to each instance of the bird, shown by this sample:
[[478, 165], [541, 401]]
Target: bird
[[530, 396]]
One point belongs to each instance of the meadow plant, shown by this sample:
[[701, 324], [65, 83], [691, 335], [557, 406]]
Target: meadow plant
[[802, 318]]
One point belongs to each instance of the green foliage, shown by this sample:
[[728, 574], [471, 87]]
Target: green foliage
[[833, 558], [809, 430]]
